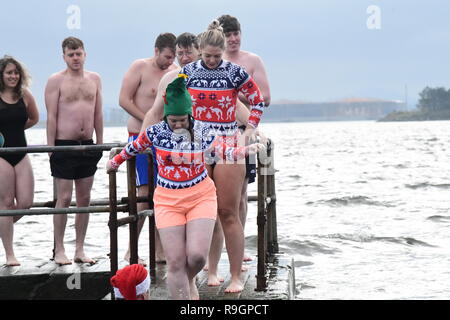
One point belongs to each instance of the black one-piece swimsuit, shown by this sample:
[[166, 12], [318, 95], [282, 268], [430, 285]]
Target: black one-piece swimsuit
[[12, 126]]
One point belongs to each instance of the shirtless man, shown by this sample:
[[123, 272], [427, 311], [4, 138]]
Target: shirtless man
[[186, 50], [255, 67], [74, 110], [137, 95], [252, 63]]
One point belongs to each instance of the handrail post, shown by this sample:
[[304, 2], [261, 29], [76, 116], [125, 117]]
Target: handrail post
[[55, 198], [113, 255], [151, 218], [261, 280], [132, 209], [272, 237]]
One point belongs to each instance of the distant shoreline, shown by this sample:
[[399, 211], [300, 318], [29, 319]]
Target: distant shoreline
[[416, 116], [42, 124]]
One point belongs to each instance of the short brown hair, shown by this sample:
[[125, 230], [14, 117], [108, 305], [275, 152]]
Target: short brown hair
[[72, 43], [229, 23], [165, 40], [186, 40]]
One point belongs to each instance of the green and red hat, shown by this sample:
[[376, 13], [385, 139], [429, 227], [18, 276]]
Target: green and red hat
[[177, 100]]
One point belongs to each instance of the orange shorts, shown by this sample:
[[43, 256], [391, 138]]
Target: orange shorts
[[176, 207]]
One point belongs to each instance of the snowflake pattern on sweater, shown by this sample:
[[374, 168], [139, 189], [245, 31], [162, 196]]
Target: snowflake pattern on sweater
[[181, 162], [214, 94]]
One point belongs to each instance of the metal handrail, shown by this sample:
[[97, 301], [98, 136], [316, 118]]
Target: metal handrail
[[266, 197], [42, 149], [266, 219]]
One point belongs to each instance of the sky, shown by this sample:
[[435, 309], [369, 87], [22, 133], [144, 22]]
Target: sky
[[315, 50]]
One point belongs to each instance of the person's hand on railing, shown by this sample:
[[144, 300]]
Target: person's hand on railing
[[110, 167], [260, 137], [255, 148]]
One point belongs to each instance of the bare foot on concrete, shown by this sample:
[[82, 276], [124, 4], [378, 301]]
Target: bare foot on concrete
[[193, 290], [214, 280], [61, 258], [84, 259], [81, 257], [12, 262], [140, 261], [235, 286]]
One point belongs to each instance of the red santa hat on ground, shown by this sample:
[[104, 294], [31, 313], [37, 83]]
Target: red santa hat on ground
[[130, 282]]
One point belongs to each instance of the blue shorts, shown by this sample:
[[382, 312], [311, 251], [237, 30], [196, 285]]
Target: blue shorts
[[142, 165]]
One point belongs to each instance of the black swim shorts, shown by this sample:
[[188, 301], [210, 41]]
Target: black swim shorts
[[250, 164], [250, 168], [73, 165]]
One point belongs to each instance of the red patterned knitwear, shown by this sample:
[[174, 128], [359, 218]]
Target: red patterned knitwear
[[181, 161], [214, 94]]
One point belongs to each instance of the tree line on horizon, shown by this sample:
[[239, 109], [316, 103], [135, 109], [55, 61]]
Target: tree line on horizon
[[434, 99]]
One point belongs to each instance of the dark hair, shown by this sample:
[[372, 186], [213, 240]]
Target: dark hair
[[72, 43], [24, 80], [229, 23], [186, 40], [191, 125], [165, 40]]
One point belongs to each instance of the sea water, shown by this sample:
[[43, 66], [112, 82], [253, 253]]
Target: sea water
[[363, 207]]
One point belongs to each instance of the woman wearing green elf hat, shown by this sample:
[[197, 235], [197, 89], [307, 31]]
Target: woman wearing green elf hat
[[185, 197]]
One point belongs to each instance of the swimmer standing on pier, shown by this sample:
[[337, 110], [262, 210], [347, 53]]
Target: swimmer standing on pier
[[74, 110]]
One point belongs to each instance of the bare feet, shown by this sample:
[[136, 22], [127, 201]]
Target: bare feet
[[214, 280], [235, 286], [84, 259], [61, 258], [193, 291], [140, 261], [244, 268], [12, 262]]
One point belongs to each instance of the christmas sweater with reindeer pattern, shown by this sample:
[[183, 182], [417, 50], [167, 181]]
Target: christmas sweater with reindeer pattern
[[214, 94], [181, 162]]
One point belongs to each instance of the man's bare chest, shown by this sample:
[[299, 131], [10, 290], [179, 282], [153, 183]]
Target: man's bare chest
[[72, 91]]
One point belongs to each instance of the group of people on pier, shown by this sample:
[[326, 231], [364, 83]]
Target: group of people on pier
[[188, 114]]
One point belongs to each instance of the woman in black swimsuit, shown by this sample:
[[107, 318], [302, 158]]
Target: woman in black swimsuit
[[18, 111]]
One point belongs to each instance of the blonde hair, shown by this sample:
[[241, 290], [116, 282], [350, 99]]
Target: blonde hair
[[214, 36]]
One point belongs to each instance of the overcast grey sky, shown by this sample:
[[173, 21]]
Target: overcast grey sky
[[316, 50]]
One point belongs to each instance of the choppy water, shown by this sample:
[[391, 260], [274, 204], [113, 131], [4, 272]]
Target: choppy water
[[362, 206]]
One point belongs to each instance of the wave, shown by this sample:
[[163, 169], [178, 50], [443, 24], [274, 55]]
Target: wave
[[371, 238], [396, 166], [351, 200], [293, 247], [424, 185], [439, 218], [304, 247]]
